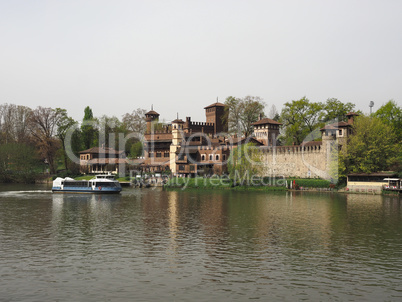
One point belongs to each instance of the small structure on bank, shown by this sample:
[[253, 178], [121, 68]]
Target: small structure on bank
[[98, 160], [373, 182]]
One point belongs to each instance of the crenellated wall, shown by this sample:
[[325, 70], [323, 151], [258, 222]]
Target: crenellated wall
[[195, 127], [307, 161]]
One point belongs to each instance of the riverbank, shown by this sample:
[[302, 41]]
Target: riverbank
[[265, 184]]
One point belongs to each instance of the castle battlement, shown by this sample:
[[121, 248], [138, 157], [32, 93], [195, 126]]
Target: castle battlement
[[224, 148], [293, 149], [162, 132], [200, 124]]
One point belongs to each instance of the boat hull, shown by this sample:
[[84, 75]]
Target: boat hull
[[87, 191], [101, 184]]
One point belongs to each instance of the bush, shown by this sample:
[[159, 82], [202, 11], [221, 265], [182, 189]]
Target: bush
[[311, 183]]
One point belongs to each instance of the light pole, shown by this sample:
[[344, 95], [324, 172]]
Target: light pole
[[371, 106]]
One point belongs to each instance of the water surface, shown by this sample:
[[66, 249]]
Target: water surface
[[154, 245]]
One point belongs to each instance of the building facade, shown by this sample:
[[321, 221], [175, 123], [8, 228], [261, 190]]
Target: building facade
[[102, 160], [186, 147]]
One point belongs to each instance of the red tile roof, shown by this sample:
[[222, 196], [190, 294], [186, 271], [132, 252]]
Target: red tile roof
[[215, 105], [265, 121], [335, 126], [98, 150], [152, 113]]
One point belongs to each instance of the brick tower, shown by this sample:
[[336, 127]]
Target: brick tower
[[215, 114]]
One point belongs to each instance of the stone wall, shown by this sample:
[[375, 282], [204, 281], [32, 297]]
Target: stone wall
[[295, 161]]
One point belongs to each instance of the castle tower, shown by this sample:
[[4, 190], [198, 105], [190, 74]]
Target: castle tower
[[351, 117], [177, 138], [215, 114], [150, 117], [266, 131]]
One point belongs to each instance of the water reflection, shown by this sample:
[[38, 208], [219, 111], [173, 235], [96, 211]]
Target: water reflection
[[199, 245]]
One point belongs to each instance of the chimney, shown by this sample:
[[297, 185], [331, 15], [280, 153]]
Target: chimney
[[260, 117]]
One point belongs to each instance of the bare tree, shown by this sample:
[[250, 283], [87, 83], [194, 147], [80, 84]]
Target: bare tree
[[43, 125], [135, 121], [273, 112], [13, 123], [242, 113]]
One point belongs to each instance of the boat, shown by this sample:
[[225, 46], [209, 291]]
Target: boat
[[100, 184]]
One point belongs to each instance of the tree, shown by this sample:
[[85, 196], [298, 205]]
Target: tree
[[135, 121], [245, 161], [65, 124], [299, 118], [372, 148], [242, 113], [43, 123], [18, 162], [273, 112], [136, 150], [335, 109], [391, 114], [13, 123], [109, 129], [89, 131]]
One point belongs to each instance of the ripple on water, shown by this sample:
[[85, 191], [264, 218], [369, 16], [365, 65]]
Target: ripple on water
[[157, 245]]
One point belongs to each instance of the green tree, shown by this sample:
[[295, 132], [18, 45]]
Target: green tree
[[299, 118], [245, 161], [335, 109], [373, 147], [241, 113], [89, 131], [109, 130], [19, 162], [391, 114], [65, 124], [136, 150]]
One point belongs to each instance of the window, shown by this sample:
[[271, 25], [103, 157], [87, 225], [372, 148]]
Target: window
[[224, 157], [151, 154], [217, 157], [340, 132], [211, 157], [192, 168], [181, 167], [203, 157], [166, 154], [158, 154]]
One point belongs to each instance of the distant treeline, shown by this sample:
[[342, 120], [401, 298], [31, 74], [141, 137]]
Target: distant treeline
[[33, 141]]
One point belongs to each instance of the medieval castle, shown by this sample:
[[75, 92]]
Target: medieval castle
[[194, 148]]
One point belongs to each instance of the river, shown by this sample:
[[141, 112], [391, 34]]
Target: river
[[154, 245]]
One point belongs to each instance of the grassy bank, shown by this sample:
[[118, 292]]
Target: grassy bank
[[220, 183]]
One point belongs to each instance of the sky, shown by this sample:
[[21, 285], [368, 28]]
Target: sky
[[181, 56]]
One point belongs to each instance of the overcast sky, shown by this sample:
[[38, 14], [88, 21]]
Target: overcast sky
[[180, 56]]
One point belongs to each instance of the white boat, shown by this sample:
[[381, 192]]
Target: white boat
[[101, 184]]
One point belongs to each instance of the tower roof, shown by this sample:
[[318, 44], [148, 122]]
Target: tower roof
[[352, 114], [266, 121], [217, 104], [152, 113]]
